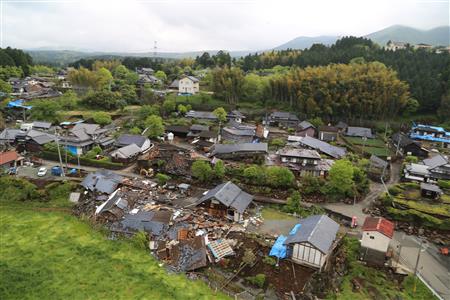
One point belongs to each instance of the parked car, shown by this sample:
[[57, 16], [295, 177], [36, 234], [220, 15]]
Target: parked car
[[42, 171]]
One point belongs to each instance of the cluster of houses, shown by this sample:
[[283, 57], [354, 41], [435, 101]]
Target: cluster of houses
[[396, 45], [77, 138], [35, 87]]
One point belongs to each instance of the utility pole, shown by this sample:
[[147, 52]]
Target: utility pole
[[59, 153], [417, 265]]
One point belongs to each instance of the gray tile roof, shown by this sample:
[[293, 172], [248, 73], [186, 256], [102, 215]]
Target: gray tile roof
[[155, 222], [305, 125], [40, 124], [9, 134], [418, 169], [378, 162], [128, 139], [436, 161], [301, 153], [44, 139], [229, 195], [333, 151], [283, 115], [126, 151], [359, 132], [201, 115], [318, 230], [103, 181], [244, 147], [198, 127], [240, 132], [430, 187]]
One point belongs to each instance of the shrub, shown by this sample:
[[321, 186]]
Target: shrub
[[279, 177], [257, 280], [394, 190], [162, 178], [312, 185], [91, 154], [411, 159], [16, 189], [219, 169], [254, 174], [102, 118], [140, 240], [293, 203], [202, 170], [444, 184], [135, 130], [277, 143], [269, 260]]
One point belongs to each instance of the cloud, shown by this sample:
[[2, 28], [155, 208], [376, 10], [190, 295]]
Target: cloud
[[183, 25]]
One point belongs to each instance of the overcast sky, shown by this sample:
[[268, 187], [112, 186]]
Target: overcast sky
[[185, 25]]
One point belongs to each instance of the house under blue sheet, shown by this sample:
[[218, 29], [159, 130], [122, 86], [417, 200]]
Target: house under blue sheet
[[279, 249]]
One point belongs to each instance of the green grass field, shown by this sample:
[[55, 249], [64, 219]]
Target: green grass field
[[368, 142], [46, 253]]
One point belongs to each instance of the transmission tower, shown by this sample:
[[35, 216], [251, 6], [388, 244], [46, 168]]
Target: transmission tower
[[155, 49]]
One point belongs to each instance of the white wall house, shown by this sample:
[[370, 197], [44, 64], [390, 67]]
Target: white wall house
[[313, 241], [189, 85], [377, 234]]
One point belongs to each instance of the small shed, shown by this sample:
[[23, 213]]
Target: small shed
[[430, 190], [377, 234]]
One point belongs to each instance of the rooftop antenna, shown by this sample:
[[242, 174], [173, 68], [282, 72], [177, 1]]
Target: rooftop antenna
[[155, 49]]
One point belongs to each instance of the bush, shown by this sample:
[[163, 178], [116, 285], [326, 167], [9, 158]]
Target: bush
[[279, 177], [277, 143], [444, 184], [202, 170], [311, 185], [257, 280], [254, 174], [293, 203], [16, 189], [395, 190], [269, 260], [140, 240], [162, 178], [91, 154], [102, 118], [411, 159], [219, 169]]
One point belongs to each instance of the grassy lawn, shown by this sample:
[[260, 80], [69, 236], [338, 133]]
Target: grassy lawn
[[272, 214], [381, 152], [375, 284], [369, 142], [47, 253]]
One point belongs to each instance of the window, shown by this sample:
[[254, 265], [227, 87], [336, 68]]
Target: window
[[372, 237]]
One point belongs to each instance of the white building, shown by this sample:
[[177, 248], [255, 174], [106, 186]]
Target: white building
[[377, 234], [188, 85], [394, 46]]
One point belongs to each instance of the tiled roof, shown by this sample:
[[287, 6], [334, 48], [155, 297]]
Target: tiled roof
[[379, 224]]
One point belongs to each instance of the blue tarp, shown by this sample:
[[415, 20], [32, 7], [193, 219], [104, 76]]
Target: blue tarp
[[278, 249], [18, 103]]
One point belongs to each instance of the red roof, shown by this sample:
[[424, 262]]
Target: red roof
[[379, 224], [8, 156]]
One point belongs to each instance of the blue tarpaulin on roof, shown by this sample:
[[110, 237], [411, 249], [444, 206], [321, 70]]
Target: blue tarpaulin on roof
[[18, 103], [278, 249]]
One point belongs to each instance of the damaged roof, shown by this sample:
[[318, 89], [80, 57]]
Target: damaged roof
[[128, 139], [301, 153], [318, 230], [244, 147], [155, 222], [229, 195], [103, 181], [436, 161]]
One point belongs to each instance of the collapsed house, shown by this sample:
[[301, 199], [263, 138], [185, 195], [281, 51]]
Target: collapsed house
[[102, 181], [226, 200], [407, 146]]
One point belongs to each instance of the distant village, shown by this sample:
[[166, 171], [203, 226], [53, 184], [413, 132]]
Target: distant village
[[134, 184]]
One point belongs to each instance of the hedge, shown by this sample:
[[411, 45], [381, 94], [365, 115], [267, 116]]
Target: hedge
[[83, 161]]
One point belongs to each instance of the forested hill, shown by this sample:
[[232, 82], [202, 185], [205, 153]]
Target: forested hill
[[427, 73], [15, 61]]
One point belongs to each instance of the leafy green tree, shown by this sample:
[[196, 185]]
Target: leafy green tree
[[161, 75], [148, 110], [340, 180], [293, 203], [135, 130], [102, 118], [219, 169], [104, 78], [5, 87], [255, 174], [45, 110], [147, 94], [227, 84], [68, 100], [201, 170], [411, 107], [7, 72], [182, 109], [128, 93], [120, 72], [316, 122], [42, 70], [169, 106], [103, 99], [221, 114], [154, 125], [279, 177]]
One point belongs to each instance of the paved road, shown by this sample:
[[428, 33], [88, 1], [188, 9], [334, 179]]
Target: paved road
[[433, 267]]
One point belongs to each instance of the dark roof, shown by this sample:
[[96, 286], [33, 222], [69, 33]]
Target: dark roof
[[39, 124], [430, 187], [328, 128], [175, 84], [284, 115], [9, 134], [192, 78], [127, 151], [198, 127], [333, 151], [359, 132], [436, 161], [403, 139], [87, 128], [114, 200], [378, 162], [102, 180], [128, 139], [43, 139], [155, 222], [208, 134], [305, 125], [229, 195], [240, 132], [301, 153], [244, 147], [379, 224], [235, 113], [341, 125], [177, 128], [318, 230]]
